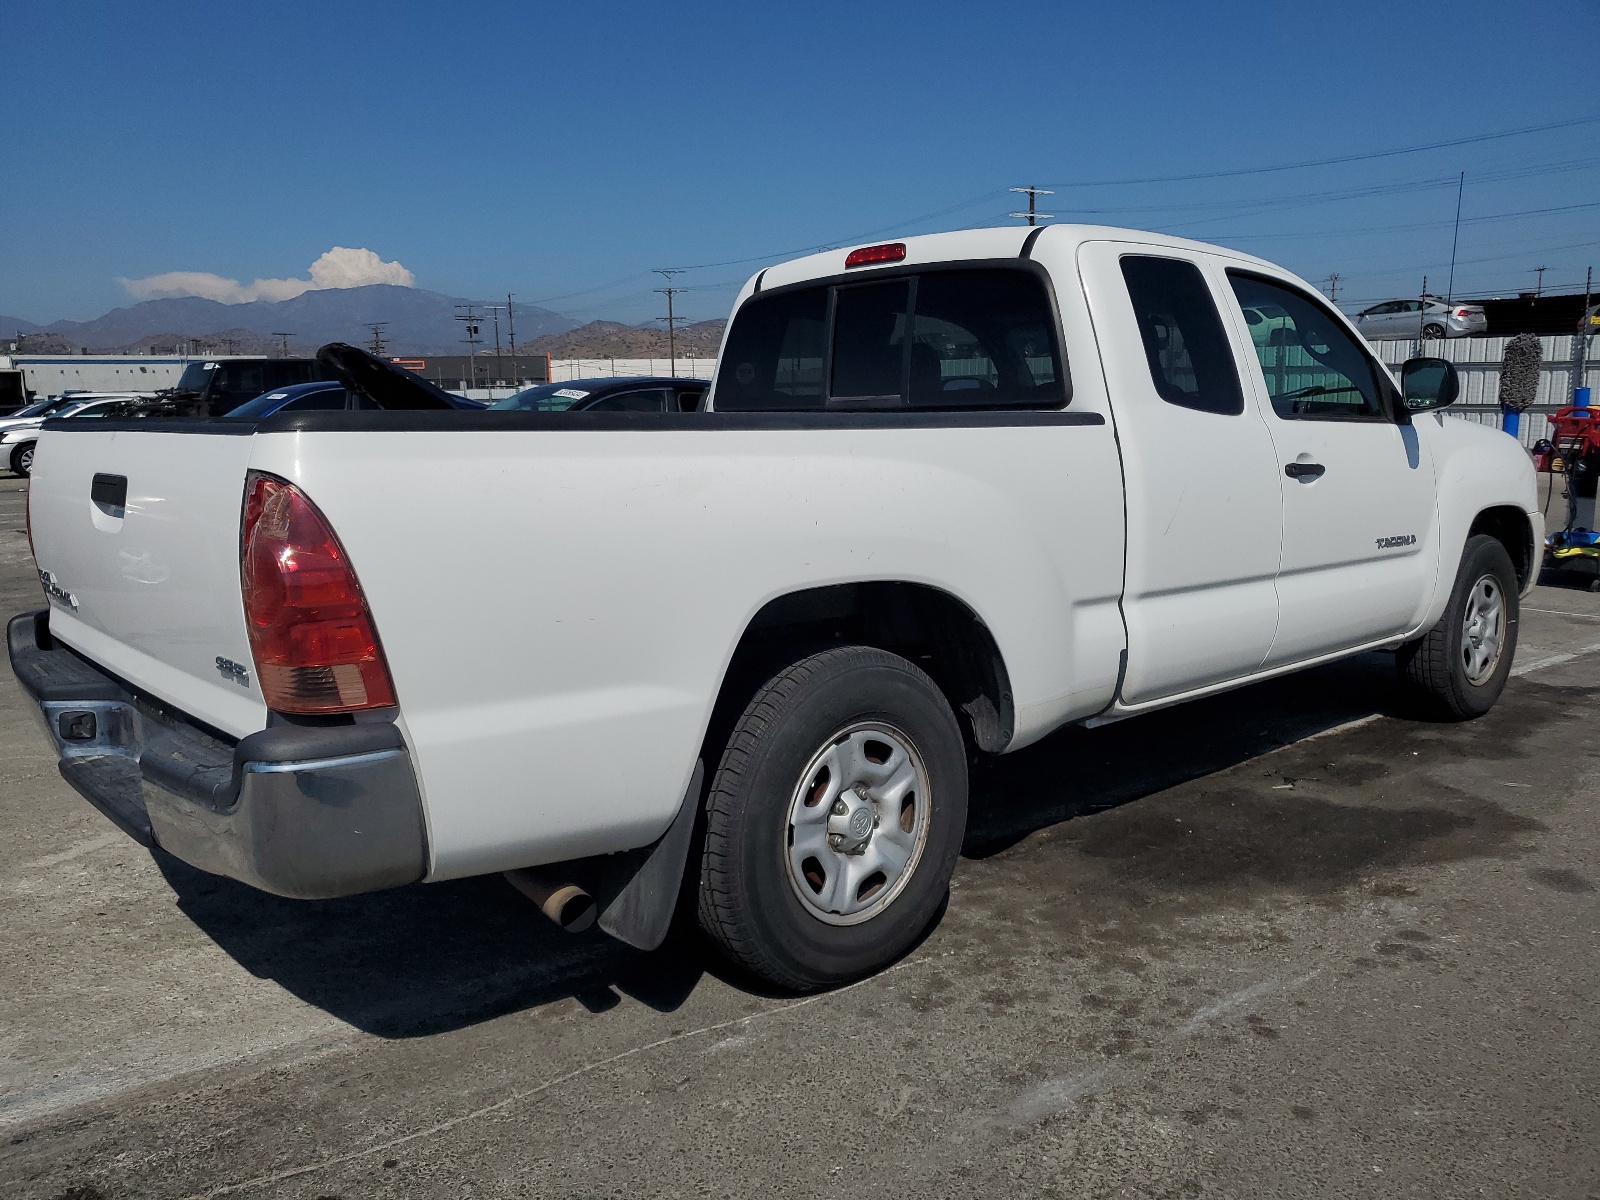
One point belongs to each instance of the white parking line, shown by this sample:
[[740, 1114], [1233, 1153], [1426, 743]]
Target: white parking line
[[1554, 660]]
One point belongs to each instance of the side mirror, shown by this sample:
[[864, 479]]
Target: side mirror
[[1429, 383]]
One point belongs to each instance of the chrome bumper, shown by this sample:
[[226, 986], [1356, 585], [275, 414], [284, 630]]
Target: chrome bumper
[[308, 810]]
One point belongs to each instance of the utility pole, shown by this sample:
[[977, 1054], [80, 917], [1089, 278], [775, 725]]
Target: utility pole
[[1033, 194], [283, 345], [1539, 288], [1455, 240], [499, 365], [1422, 314], [1580, 347], [1333, 287], [377, 337], [511, 321], [672, 330], [471, 321]]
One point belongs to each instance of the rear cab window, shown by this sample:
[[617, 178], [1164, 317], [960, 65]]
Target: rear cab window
[[958, 338]]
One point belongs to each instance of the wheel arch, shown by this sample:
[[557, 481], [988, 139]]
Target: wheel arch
[[1509, 526], [925, 624]]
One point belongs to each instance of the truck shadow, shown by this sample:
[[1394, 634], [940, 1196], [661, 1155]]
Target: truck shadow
[[1080, 771], [429, 958]]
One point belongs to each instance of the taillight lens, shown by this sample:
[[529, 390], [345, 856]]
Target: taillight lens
[[889, 252], [315, 646]]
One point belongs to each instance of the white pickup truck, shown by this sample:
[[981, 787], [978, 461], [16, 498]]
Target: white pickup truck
[[948, 495]]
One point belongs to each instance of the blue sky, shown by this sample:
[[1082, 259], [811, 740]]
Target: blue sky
[[562, 151]]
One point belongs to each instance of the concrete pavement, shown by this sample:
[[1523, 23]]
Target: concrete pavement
[[1288, 942]]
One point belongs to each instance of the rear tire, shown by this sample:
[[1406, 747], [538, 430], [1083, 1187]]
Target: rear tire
[[22, 459], [1460, 666], [834, 820], [1432, 330]]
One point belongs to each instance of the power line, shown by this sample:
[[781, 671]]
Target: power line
[[1335, 161]]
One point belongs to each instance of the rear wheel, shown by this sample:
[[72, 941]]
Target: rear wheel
[[22, 459], [1461, 665], [1433, 330], [834, 820]]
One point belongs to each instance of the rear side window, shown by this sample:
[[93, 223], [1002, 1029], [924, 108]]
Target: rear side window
[[1191, 363], [953, 339]]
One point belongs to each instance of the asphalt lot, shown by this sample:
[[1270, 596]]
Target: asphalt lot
[[1242, 948]]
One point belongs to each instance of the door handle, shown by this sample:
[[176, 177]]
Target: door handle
[[1300, 470]]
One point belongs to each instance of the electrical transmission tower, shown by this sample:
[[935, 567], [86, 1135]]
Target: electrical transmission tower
[[471, 322], [378, 345], [283, 344], [1033, 194], [671, 319], [511, 322]]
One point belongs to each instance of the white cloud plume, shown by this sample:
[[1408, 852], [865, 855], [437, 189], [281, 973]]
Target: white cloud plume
[[341, 267]]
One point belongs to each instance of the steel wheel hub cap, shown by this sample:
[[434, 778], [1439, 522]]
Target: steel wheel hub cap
[[858, 821], [1483, 629]]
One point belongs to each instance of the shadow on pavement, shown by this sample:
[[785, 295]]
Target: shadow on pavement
[[427, 958], [1079, 771], [432, 957]]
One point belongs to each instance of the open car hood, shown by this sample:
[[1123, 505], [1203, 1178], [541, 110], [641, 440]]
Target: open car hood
[[385, 384]]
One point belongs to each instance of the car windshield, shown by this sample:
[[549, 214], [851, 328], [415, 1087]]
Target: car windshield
[[546, 397], [35, 409], [195, 376]]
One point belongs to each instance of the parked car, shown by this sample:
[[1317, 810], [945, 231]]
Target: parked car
[[18, 434], [217, 386], [946, 496], [651, 393], [401, 389], [1430, 318]]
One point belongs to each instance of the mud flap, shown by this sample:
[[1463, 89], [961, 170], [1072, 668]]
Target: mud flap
[[640, 892]]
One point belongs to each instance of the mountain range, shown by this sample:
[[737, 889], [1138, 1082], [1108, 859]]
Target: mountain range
[[609, 339], [416, 321]]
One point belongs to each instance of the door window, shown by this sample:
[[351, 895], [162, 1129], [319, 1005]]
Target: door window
[[1191, 363], [328, 401], [1314, 370], [654, 400]]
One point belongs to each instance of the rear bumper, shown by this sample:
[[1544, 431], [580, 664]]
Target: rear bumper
[[305, 811]]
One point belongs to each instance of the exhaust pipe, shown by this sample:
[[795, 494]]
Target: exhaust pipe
[[567, 904]]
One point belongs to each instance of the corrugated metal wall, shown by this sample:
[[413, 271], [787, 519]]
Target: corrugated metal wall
[[1477, 361], [563, 369]]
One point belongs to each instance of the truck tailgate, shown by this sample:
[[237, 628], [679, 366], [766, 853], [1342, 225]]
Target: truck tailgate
[[149, 587]]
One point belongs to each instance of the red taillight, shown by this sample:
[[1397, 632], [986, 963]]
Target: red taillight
[[869, 255], [315, 646]]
